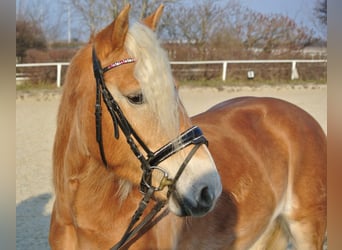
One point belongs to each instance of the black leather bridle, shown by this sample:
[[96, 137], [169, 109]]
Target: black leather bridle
[[149, 160]]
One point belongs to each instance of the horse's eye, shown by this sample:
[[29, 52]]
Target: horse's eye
[[136, 98]]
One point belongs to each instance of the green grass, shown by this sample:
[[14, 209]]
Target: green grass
[[27, 86], [218, 83]]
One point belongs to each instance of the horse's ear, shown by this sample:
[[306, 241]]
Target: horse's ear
[[153, 20], [121, 27], [113, 36]]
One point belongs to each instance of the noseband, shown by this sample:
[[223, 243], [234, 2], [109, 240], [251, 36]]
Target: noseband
[[149, 160]]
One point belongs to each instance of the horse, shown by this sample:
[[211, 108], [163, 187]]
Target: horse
[[123, 134], [272, 158], [132, 170]]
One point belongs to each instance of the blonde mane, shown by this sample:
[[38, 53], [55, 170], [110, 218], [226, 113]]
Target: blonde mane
[[154, 75]]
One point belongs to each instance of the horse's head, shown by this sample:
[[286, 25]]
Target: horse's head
[[150, 115]]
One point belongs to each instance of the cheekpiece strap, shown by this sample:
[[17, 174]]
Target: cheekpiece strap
[[101, 91]]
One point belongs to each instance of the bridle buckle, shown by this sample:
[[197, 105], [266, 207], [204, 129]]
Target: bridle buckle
[[146, 182]]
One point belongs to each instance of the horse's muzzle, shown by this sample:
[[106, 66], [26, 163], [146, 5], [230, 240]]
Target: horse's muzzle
[[203, 203]]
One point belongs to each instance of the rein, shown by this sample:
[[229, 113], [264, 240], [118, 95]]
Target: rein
[[149, 160]]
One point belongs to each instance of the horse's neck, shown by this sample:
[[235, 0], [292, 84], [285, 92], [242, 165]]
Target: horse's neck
[[109, 203], [162, 232]]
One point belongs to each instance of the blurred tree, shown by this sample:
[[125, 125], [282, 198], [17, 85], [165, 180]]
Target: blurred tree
[[28, 35], [96, 14], [43, 15], [196, 24], [275, 34], [321, 11], [218, 30]]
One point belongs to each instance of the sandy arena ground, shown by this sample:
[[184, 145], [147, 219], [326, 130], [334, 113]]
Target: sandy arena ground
[[35, 128]]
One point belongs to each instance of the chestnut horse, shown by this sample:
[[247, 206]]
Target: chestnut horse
[[271, 156], [120, 150], [118, 108]]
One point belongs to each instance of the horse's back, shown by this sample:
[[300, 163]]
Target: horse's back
[[271, 156]]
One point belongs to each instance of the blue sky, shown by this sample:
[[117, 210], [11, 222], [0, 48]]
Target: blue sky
[[299, 10]]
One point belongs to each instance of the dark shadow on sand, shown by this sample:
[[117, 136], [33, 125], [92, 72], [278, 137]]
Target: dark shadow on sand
[[32, 225]]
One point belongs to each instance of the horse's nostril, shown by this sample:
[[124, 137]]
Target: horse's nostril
[[205, 198]]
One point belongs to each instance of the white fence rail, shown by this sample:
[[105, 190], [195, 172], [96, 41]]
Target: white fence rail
[[225, 64], [58, 66]]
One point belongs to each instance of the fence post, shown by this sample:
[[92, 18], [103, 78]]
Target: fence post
[[59, 72], [294, 72], [224, 71]]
